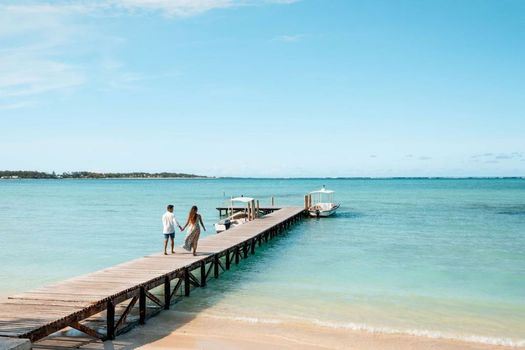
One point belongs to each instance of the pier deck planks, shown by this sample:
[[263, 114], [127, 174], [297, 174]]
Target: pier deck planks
[[42, 311]]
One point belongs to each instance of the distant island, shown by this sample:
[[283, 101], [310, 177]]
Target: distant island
[[22, 174]]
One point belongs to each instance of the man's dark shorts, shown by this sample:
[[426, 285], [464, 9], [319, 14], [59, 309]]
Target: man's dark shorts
[[169, 235]]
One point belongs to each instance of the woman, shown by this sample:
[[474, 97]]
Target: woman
[[194, 232]]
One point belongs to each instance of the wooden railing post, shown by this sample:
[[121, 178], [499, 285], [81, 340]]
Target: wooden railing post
[[142, 305], [245, 250], [110, 318], [216, 266], [167, 293], [203, 274], [187, 282]]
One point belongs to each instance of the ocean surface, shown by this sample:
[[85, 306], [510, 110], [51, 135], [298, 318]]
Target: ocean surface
[[432, 257]]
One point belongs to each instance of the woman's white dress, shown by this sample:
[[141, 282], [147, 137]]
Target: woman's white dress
[[194, 231]]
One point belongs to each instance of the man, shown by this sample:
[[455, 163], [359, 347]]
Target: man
[[169, 222]]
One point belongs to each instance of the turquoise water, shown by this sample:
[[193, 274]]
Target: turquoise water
[[441, 258]]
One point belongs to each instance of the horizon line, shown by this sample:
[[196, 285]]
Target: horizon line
[[186, 175], [204, 177]]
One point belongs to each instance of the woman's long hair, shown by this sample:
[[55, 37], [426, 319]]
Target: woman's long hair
[[192, 216]]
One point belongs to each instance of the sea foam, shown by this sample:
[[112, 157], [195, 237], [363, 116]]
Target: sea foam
[[422, 333]]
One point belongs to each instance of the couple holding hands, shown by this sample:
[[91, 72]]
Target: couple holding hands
[[194, 222]]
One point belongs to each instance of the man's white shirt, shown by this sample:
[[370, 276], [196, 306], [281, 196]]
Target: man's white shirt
[[169, 222]]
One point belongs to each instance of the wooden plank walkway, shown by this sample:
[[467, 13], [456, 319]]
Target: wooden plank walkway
[[43, 311]]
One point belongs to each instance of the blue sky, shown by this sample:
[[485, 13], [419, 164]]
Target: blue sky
[[264, 87]]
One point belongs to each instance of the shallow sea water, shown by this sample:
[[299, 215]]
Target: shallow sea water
[[433, 257]]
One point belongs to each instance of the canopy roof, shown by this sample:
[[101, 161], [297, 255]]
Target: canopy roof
[[323, 190], [242, 199]]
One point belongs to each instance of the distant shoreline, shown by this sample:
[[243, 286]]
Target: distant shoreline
[[266, 178], [109, 178], [113, 178], [40, 175]]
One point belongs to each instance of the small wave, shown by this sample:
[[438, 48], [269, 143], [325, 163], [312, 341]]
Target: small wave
[[376, 330], [348, 214], [245, 319], [515, 209], [422, 333], [512, 212], [256, 320]]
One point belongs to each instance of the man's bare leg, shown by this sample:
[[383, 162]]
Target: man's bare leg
[[166, 246], [172, 246]]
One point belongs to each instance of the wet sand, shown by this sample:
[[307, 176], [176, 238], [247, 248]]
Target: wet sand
[[179, 330]]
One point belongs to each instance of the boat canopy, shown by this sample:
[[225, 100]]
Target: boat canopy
[[322, 190], [242, 199]]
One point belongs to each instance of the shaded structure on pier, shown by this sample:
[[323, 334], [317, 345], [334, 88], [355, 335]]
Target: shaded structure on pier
[[224, 211]]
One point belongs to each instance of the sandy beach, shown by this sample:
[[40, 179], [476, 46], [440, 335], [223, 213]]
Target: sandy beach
[[182, 330]]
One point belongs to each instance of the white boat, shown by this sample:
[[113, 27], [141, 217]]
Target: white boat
[[322, 203], [235, 218]]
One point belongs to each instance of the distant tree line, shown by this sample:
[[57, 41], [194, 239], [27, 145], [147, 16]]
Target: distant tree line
[[10, 174]]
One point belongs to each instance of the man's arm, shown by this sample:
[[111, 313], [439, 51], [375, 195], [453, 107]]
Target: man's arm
[[177, 223]]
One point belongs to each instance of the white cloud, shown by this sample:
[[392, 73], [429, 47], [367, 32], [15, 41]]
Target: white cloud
[[289, 38], [183, 8], [172, 8], [497, 156], [180, 8], [28, 75], [43, 42], [16, 105], [31, 63], [284, 2]]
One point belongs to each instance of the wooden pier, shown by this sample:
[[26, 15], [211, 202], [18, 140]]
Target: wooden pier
[[108, 302]]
